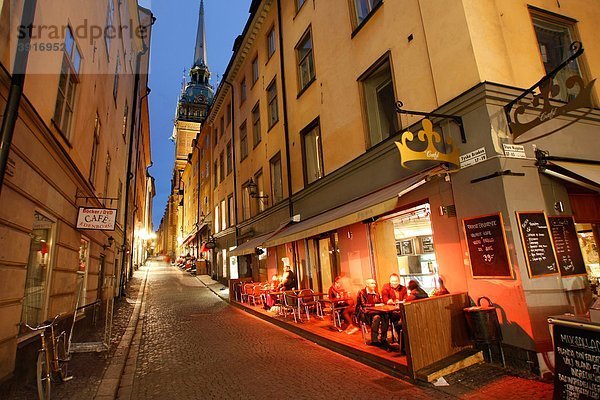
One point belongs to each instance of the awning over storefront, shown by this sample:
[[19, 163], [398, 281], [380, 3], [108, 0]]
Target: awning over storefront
[[249, 246], [193, 234], [583, 174], [371, 205]]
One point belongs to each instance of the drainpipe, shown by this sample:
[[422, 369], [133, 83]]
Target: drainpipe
[[11, 111], [285, 127]]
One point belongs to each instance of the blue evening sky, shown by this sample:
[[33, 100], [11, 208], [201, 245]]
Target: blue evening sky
[[172, 50]]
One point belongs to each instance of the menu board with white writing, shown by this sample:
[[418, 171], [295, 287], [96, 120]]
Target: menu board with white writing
[[539, 252], [577, 358], [566, 246], [487, 246]]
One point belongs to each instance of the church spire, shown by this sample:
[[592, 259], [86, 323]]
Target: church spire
[[200, 54]]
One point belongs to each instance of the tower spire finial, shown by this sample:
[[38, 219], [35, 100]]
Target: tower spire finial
[[200, 54]]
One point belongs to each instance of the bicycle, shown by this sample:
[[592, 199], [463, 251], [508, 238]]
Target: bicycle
[[52, 359]]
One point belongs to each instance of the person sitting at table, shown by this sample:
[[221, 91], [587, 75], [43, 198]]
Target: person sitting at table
[[368, 297], [337, 291], [288, 281], [441, 290], [415, 291], [269, 300], [393, 293]]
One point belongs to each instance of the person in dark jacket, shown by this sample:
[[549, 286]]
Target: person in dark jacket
[[415, 291], [338, 292], [393, 293], [368, 297], [289, 280]]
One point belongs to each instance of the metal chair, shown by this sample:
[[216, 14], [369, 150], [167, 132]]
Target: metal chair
[[247, 290], [308, 301], [255, 295], [289, 304]]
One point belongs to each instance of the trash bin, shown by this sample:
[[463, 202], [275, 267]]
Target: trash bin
[[483, 322], [484, 325]]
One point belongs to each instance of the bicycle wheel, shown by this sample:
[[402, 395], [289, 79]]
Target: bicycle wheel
[[63, 359], [43, 376]]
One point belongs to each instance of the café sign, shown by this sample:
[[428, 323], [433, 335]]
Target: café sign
[[101, 219], [433, 141], [519, 112]]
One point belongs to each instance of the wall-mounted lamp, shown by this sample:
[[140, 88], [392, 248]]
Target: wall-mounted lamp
[[253, 189], [109, 244]]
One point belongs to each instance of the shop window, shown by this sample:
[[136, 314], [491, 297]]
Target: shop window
[[223, 215], [67, 85], [38, 265], [380, 101], [305, 60], [84, 259], [554, 38], [256, 135], [362, 9], [313, 153], [271, 42], [403, 244], [95, 145], [273, 111], [243, 141], [276, 179]]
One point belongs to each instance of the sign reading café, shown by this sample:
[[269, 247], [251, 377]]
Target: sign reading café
[[101, 219]]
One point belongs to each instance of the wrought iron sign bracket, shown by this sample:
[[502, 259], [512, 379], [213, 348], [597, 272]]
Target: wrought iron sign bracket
[[576, 48], [78, 196], [456, 118], [496, 174]]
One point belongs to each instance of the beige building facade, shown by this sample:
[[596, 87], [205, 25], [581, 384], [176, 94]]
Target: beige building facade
[[80, 122]]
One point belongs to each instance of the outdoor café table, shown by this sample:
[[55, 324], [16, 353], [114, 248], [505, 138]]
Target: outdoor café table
[[384, 309], [334, 306], [278, 295], [295, 294]]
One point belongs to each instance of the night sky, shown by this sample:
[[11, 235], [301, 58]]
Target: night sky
[[172, 50]]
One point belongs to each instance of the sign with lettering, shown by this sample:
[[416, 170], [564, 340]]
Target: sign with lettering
[[486, 243], [472, 158], [566, 246], [514, 150], [101, 219], [577, 358], [539, 252]]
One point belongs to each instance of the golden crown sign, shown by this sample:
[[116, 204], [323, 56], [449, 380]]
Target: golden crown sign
[[431, 153]]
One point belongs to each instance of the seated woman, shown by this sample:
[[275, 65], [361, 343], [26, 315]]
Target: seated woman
[[415, 292], [269, 300], [441, 290], [337, 291]]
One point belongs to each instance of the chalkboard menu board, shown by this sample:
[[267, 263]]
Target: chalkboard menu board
[[537, 243], [487, 246], [577, 359], [566, 246]]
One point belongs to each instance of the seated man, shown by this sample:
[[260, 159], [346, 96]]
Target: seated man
[[337, 291], [393, 293], [368, 297]]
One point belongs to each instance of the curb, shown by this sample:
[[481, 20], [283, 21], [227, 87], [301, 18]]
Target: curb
[[113, 374]]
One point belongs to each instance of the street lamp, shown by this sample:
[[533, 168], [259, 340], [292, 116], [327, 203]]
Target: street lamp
[[253, 189]]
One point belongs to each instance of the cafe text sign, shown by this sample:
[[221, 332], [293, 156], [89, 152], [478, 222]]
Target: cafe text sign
[[577, 370], [433, 141], [486, 242], [101, 219], [537, 243]]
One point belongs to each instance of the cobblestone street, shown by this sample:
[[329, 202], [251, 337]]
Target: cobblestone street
[[195, 345]]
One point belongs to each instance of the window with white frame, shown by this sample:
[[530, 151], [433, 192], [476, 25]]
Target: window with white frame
[[272, 110], [313, 153], [67, 85], [305, 60], [362, 9], [380, 101], [554, 36], [271, 42]]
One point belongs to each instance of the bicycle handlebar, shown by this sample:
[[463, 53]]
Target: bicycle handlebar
[[46, 324]]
